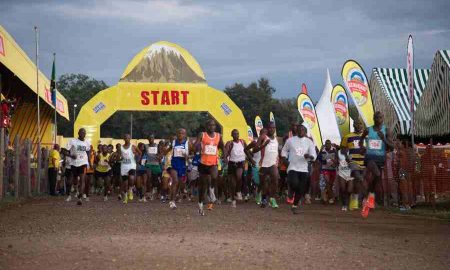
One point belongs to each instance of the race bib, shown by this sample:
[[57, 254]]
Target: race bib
[[211, 150], [103, 163], [299, 152], [375, 144], [356, 144], [153, 150], [126, 161], [178, 152], [143, 161], [272, 148]]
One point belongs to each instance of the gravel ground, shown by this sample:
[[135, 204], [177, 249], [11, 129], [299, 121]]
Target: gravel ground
[[49, 233]]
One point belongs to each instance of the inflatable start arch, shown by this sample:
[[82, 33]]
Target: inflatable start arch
[[162, 77]]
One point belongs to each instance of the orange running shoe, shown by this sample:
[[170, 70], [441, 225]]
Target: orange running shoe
[[290, 200], [371, 201], [365, 210], [210, 206]]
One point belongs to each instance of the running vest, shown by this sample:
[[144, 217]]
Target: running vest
[[210, 153], [179, 152], [128, 162], [237, 153], [152, 152], [103, 164], [376, 148], [269, 155]]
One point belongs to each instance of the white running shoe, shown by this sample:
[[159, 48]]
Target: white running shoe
[[233, 204], [86, 198], [239, 196], [144, 200], [200, 209], [140, 200], [174, 206], [69, 198], [105, 198], [344, 208], [229, 200]]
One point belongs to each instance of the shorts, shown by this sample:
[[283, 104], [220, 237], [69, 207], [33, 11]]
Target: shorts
[[233, 166], [102, 174], [78, 171], [330, 174], [255, 175], [379, 161], [130, 172], [141, 172], [68, 173], [205, 169], [155, 169], [358, 175], [116, 169]]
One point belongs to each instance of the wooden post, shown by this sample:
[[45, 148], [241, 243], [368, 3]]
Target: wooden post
[[16, 167], [28, 160], [2, 161]]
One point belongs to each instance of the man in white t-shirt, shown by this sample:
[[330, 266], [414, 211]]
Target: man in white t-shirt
[[80, 151], [296, 153]]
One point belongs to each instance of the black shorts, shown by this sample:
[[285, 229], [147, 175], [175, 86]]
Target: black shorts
[[141, 172], [233, 166], [130, 172], [102, 174], [116, 169], [68, 173], [78, 171], [205, 169], [378, 161]]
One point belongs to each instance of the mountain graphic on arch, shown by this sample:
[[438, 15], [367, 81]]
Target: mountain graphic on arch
[[163, 63]]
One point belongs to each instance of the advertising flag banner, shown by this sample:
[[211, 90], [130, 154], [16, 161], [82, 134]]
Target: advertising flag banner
[[355, 80], [258, 124], [272, 119], [249, 134], [306, 109], [340, 103]]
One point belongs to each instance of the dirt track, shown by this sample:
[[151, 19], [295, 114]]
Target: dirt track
[[54, 234]]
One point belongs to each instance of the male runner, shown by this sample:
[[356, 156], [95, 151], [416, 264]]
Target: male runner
[[209, 142], [268, 145], [256, 159], [116, 175], [296, 153], [80, 151], [128, 167], [377, 139], [235, 154], [153, 166], [141, 172], [328, 158], [180, 154], [103, 170]]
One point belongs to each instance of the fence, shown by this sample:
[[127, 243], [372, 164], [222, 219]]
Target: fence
[[19, 171]]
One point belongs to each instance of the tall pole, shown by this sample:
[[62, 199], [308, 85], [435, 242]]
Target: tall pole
[[131, 126], [36, 30], [56, 102], [410, 75]]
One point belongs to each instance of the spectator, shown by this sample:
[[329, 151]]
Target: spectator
[[53, 168]]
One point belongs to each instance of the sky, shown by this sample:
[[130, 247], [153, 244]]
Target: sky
[[288, 42]]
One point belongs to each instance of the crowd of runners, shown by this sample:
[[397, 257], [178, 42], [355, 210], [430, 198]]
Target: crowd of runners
[[211, 172]]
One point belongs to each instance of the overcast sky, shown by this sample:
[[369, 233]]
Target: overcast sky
[[289, 42]]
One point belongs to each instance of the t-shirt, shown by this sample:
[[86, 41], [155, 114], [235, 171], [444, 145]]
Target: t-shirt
[[79, 149], [54, 155], [351, 142], [327, 159], [295, 149]]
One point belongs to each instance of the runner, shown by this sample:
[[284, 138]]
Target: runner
[[293, 132], [209, 142], [128, 168], [328, 158], [268, 145], [70, 185], [256, 159], [141, 173], [235, 154], [90, 175], [377, 139], [153, 166], [344, 176], [177, 171], [351, 142], [296, 153], [166, 165], [80, 151], [103, 171], [116, 175]]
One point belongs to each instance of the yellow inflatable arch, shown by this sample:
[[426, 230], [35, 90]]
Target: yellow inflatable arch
[[162, 77]]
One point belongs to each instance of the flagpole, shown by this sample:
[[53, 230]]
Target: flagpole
[[36, 30], [55, 101]]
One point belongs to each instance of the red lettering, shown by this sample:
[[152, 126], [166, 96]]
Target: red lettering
[[175, 97], [155, 97], [185, 94], [144, 98], [165, 98]]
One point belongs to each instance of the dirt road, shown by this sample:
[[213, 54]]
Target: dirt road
[[50, 233]]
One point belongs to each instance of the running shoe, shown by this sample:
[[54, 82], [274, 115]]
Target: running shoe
[[344, 208], [247, 198], [233, 204], [264, 203], [125, 199], [273, 203], [105, 198], [404, 208], [79, 202], [200, 209], [258, 198], [172, 205], [371, 200], [72, 189], [331, 201], [365, 210], [130, 195], [317, 198], [229, 200], [69, 198], [84, 196], [354, 203], [210, 206], [86, 199], [119, 198], [239, 196], [307, 199], [218, 202], [290, 200], [294, 209], [144, 200]]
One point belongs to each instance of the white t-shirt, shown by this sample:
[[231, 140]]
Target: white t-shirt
[[79, 149], [128, 162], [237, 152], [294, 149], [270, 157]]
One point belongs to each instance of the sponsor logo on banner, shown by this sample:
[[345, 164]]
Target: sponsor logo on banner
[[249, 133], [258, 125], [340, 108], [357, 84], [99, 107], [226, 110], [306, 109], [2, 46]]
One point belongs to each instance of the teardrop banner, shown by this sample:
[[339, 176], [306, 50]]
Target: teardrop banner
[[272, 119], [355, 80], [339, 100], [249, 134], [306, 109], [258, 125], [304, 89]]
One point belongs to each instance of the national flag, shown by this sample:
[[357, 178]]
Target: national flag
[[53, 83]]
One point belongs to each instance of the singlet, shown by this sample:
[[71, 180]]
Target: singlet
[[142, 161], [79, 149], [210, 149], [103, 164], [179, 152], [376, 148], [152, 153], [237, 153], [128, 162], [327, 159], [269, 154], [351, 141]]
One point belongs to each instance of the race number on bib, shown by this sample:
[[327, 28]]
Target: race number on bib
[[153, 150], [272, 148], [375, 144], [126, 161], [356, 144], [211, 150], [178, 152], [299, 152], [143, 162]]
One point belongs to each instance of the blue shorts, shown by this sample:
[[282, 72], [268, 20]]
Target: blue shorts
[[181, 171]]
